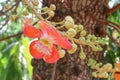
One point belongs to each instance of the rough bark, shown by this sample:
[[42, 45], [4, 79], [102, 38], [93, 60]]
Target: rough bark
[[89, 13]]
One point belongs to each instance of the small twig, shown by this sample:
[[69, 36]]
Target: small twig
[[16, 5], [114, 25], [4, 13], [8, 37], [113, 9], [114, 40], [54, 70], [4, 23], [38, 77], [32, 9]]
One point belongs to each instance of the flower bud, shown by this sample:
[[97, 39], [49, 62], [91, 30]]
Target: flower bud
[[104, 75], [71, 32], [25, 13], [52, 7], [69, 22], [51, 14], [12, 17], [61, 53], [6, 6], [74, 48], [35, 2], [82, 55], [94, 48], [94, 74], [45, 9], [83, 33], [82, 38], [80, 27], [107, 67], [89, 36]]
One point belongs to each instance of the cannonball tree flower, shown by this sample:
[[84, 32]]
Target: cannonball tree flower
[[48, 39]]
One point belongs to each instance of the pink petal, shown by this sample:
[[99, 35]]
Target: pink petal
[[45, 27], [63, 42], [38, 50], [31, 31], [53, 57], [58, 39]]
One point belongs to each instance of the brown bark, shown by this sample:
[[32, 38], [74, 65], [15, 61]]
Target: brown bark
[[87, 12]]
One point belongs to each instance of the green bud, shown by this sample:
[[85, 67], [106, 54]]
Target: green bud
[[94, 74], [87, 41], [107, 67], [89, 36], [51, 14], [94, 38], [69, 22], [71, 32], [61, 53], [80, 27], [99, 48], [82, 55], [104, 75], [94, 48], [74, 48], [82, 38], [52, 7], [83, 33], [45, 9]]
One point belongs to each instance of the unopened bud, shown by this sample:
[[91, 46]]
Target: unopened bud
[[52, 7], [51, 14], [94, 74], [74, 48], [83, 33], [71, 32], [61, 53], [35, 2], [82, 55], [6, 6], [69, 22]]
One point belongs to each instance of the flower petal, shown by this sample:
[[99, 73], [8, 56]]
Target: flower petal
[[63, 42], [53, 57], [38, 50], [58, 39], [45, 27], [31, 31]]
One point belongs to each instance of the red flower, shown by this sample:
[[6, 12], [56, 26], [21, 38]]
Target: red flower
[[45, 47]]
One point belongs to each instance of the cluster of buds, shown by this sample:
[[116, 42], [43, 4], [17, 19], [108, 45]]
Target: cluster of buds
[[101, 71], [84, 39], [50, 11]]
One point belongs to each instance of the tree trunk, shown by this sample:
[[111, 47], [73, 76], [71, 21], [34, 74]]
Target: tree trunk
[[89, 13]]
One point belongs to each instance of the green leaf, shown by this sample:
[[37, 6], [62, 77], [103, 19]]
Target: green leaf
[[26, 53]]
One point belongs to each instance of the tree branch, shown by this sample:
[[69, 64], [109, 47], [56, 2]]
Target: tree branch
[[8, 37], [113, 9], [114, 25], [15, 35]]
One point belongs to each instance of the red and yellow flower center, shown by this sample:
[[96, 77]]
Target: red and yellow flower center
[[47, 42], [42, 48]]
